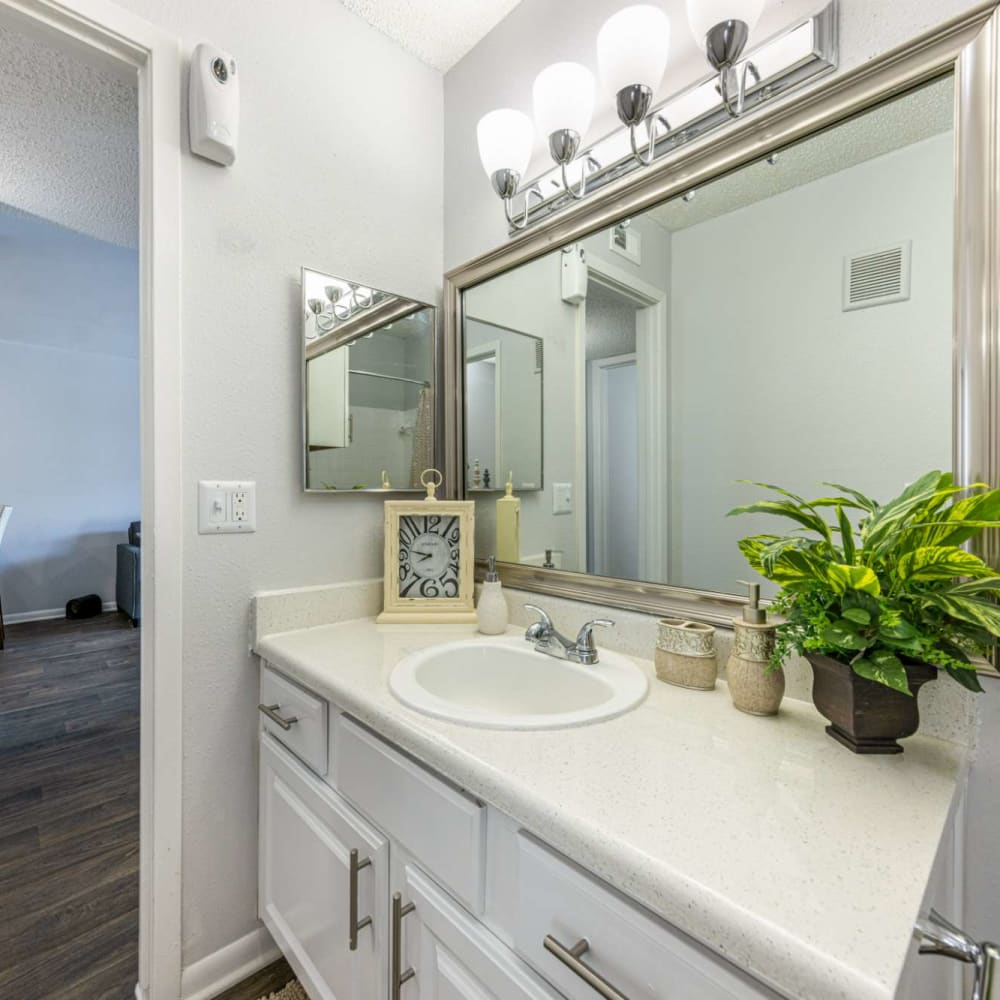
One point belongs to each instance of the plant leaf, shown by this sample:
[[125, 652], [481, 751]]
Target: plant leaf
[[969, 679], [944, 562], [983, 613], [843, 578], [883, 668], [843, 634], [858, 615], [782, 508], [918, 500], [863, 502], [846, 534]]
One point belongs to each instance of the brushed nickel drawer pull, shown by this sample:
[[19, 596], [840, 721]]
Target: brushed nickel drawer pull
[[570, 957], [397, 977], [355, 924], [271, 711]]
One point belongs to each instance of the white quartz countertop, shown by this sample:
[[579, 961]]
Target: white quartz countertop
[[761, 837]]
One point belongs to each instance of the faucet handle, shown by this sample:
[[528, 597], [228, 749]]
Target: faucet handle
[[541, 628], [585, 637]]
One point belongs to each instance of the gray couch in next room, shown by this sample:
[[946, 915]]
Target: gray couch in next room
[[128, 577]]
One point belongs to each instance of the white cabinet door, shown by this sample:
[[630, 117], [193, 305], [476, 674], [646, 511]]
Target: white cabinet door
[[307, 833], [327, 380], [453, 956]]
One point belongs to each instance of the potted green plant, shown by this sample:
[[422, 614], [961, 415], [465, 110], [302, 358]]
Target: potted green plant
[[880, 596]]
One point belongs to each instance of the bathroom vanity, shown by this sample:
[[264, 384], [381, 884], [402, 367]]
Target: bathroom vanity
[[678, 850]]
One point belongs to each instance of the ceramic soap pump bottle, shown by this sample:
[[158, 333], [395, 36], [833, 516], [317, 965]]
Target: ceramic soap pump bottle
[[491, 611], [753, 686]]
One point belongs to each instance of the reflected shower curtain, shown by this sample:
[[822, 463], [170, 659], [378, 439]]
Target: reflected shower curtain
[[423, 436]]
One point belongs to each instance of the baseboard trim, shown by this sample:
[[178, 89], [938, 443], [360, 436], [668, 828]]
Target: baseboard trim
[[216, 973], [140, 992], [48, 614]]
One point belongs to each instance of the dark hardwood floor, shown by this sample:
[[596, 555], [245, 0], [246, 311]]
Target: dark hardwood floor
[[69, 810]]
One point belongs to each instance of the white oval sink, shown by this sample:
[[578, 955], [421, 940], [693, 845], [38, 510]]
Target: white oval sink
[[506, 684]]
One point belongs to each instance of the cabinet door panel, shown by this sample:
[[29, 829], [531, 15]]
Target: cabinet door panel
[[306, 835], [454, 956]]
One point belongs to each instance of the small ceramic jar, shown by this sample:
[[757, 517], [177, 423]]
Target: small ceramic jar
[[685, 654], [755, 689]]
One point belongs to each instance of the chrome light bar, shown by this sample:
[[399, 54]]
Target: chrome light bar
[[784, 62]]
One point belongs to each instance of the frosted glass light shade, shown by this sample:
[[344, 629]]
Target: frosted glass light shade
[[703, 15], [632, 48], [563, 97], [506, 138]]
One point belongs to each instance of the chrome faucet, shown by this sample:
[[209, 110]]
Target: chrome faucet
[[547, 640]]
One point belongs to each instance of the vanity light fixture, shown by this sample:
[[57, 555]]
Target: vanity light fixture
[[506, 138], [341, 302], [632, 51], [724, 27], [563, 99]]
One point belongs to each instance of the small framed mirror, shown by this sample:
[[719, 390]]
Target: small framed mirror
[[368, 387]]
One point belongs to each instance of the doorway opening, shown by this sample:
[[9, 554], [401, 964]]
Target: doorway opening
[[75, 323], [70, 557]]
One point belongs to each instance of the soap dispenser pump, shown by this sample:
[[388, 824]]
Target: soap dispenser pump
[[754, 687], [491, 612]]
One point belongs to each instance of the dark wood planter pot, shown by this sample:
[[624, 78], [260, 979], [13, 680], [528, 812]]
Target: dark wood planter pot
[[866, 717]]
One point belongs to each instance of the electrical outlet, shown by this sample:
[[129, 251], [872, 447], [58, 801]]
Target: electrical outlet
[[562, 498], [226, 507]]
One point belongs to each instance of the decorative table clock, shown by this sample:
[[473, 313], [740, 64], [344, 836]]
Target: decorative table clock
[[429, 559]]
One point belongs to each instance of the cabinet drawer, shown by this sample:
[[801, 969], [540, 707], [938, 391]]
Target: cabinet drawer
[[306, 737], [436, 823], [637, 954]]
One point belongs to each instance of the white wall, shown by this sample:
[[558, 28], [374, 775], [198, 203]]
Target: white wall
[[320, 180], [772, 381], [69, 411]]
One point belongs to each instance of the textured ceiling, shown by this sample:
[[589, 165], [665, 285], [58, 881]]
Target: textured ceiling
[[68, 139], [912, 118], [438, 32]]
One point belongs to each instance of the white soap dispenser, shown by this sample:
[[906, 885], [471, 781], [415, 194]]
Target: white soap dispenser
[[491, 612]]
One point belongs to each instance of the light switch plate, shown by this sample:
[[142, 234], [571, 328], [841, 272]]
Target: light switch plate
[[562, 498], [226, 507]]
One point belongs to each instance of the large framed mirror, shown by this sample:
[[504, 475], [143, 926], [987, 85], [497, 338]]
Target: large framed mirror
[[803, 298], [369, 361]]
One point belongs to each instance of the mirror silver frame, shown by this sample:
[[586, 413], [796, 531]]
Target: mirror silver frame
[[352, 330], [969, 48]]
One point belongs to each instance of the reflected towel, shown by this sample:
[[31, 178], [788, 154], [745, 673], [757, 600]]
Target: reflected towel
[[423, 436]]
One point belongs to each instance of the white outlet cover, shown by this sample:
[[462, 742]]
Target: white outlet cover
[[226, 507], [562, 498]]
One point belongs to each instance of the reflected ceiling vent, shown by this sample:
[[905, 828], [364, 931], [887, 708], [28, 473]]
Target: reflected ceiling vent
[[877, 277], [539, 356]]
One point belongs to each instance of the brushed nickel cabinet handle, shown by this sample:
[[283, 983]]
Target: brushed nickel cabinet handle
[[271, 711], [355, 924], [570, 957], [397, 977]]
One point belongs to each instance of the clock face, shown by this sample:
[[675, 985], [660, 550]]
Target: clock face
[[429, 547]]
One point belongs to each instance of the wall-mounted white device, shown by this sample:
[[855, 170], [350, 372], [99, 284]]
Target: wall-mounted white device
[[214, 104], [226, 508], [574, 274]]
